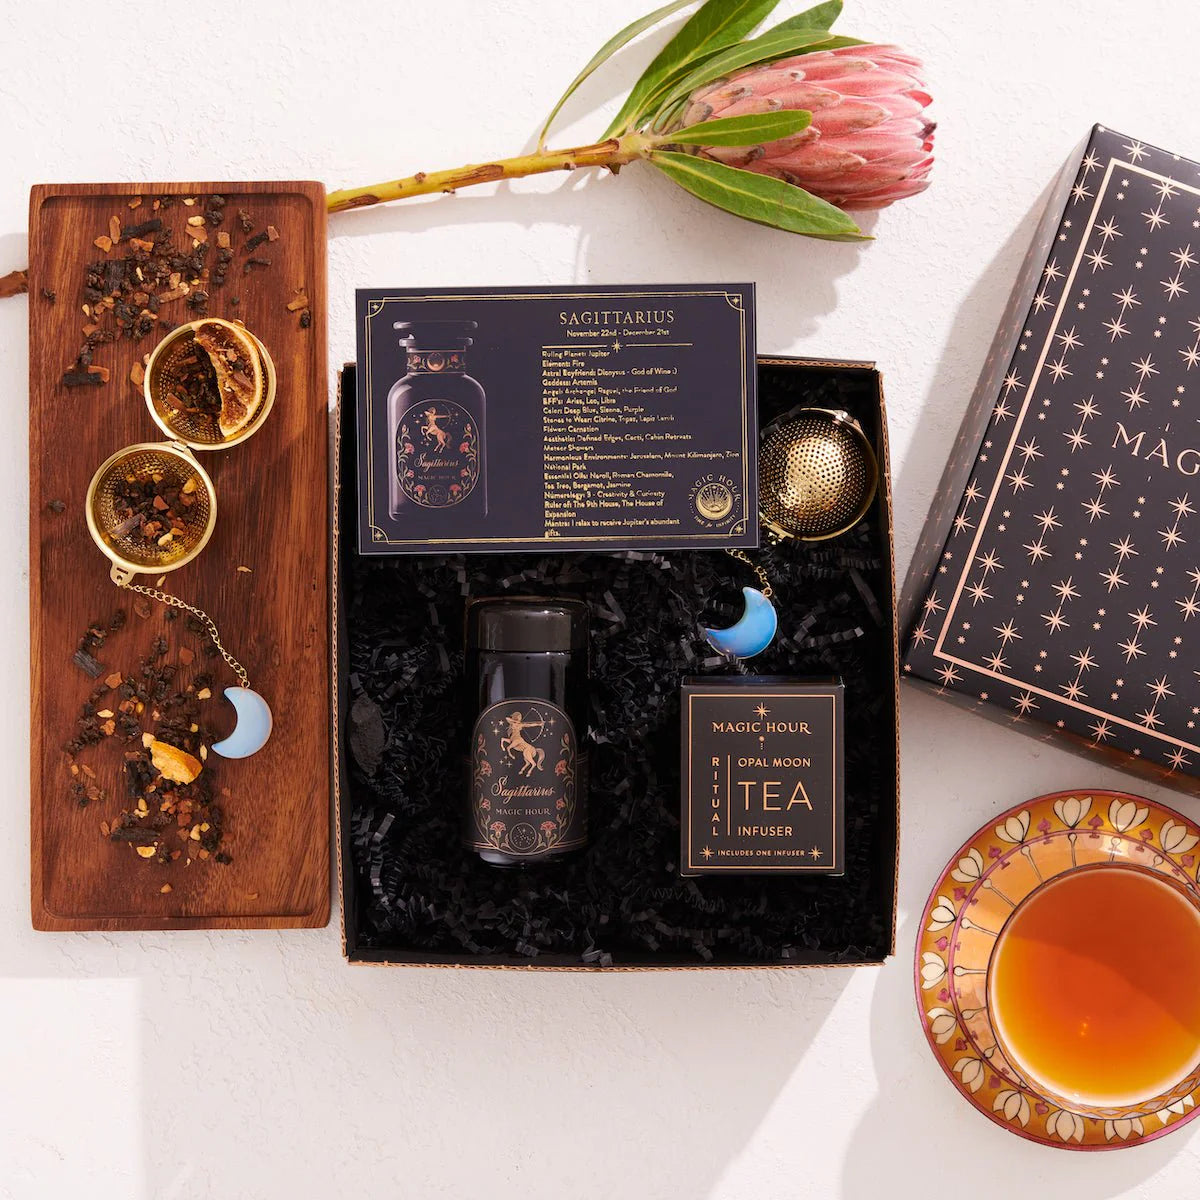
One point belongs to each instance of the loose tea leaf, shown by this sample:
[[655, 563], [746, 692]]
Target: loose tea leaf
[[149, 266], [173, 811], [150, 508]]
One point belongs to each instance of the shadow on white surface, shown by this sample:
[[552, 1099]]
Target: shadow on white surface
[[917, 1117], [554, 1086], [962, 356], [83, 1080], [625, 228]]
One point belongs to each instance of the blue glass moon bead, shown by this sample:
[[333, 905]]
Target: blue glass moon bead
[[753, 632], [253, 726]]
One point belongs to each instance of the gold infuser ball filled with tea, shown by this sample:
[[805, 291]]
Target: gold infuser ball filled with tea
[[210, 384], [817, 475], [150, 508]]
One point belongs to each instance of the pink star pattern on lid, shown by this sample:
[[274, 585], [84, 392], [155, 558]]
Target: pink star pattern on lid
[[1068, 589]]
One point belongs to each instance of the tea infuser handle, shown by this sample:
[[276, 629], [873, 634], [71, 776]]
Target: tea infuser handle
[[124, 579]]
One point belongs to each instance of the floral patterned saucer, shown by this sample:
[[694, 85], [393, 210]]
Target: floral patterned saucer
[[983, 885]]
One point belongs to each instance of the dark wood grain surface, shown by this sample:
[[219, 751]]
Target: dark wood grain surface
[[272, 518]]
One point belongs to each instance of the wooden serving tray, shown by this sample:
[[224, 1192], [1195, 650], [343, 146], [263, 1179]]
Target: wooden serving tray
[[272, 519]]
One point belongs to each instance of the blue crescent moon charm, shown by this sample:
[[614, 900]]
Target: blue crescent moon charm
[[752, 634], [253, 726]]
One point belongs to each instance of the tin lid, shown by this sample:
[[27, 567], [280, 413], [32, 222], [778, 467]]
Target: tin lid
[[435, 335], [527, 625]]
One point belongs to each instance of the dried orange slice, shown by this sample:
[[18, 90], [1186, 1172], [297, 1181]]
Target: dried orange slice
[[238, 366], [174, 764]]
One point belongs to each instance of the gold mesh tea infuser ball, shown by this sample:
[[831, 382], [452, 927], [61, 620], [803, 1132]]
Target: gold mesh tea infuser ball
[[210, 384], [124, 478], [151, 508], [817, 475]]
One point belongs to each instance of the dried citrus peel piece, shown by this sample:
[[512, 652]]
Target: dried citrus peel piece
[[174, 764], [238, 366]]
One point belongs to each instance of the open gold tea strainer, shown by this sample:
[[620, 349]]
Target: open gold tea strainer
[[818, 475], [210, 384], [151, 508]]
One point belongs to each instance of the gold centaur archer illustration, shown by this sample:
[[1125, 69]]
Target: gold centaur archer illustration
[[515, 745], [433, 431]]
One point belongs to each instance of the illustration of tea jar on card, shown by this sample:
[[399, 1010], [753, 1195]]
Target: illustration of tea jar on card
[[437, 418], [527, 681]]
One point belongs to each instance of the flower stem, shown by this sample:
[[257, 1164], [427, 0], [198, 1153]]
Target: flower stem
[[613, 153]]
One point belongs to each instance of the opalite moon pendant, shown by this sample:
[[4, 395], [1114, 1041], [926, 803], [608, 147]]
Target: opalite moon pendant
[[752, 633], [253, 726]]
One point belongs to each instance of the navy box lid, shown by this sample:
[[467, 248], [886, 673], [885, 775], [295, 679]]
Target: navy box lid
[[1057, 583]]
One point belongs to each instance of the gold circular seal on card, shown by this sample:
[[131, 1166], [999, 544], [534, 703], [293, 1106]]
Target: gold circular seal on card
[[714, 501]]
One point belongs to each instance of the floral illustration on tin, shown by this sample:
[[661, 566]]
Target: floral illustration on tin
[[524, 777], [437, 454]]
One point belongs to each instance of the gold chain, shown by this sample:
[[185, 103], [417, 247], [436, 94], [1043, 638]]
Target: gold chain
[[203, 617], [767, 590]]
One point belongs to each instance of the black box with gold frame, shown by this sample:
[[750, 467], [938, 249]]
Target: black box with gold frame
[[762, 785], [409, 895]]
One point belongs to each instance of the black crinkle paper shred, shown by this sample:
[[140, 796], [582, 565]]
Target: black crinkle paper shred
[[622, 902]]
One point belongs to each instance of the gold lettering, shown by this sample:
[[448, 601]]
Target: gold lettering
[[1124, 438], [800, 796], [1160, 452]]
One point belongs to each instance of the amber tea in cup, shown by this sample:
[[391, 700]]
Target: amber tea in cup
[[1094, 988]]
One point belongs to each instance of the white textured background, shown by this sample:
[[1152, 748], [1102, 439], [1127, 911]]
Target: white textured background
[[259, 1065]]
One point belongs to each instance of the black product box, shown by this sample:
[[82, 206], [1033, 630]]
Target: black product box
[[762, 776], [412, 896], [1057, 581], [581, 418]]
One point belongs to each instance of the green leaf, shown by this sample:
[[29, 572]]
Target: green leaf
[[606, 51], [760, 198], [817, 18], [780, 42], [820, 16], [751, 130], [717, 24]]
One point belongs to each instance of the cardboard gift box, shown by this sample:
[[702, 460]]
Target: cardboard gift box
[[412, 897], [1057, 582]]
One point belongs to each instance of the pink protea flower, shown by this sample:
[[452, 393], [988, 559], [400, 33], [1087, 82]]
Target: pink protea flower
[[870, 141], [788, 143]]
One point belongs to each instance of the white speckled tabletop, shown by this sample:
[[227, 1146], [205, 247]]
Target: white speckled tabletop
[[258, 1064]]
